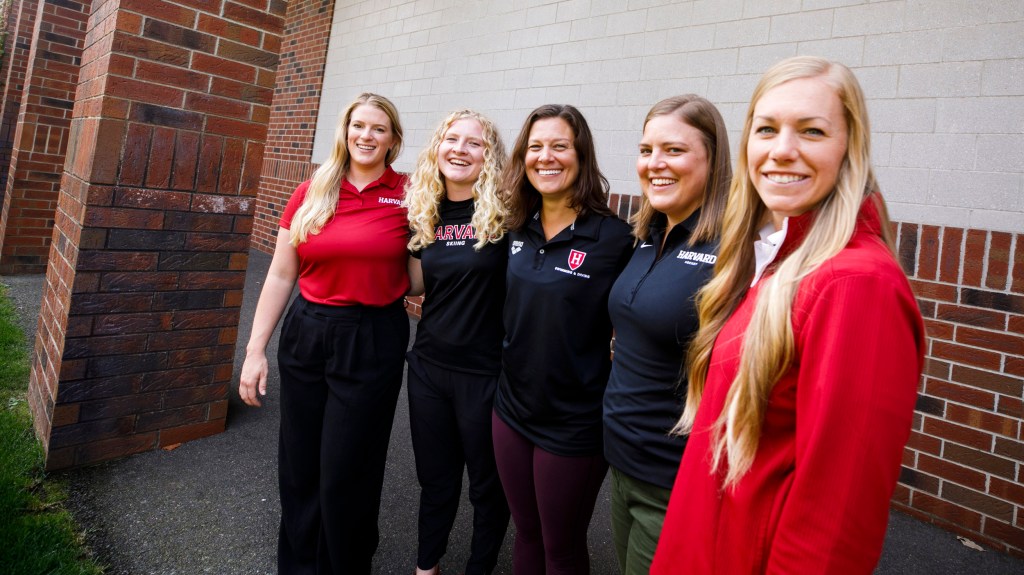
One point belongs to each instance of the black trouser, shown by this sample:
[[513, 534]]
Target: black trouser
[[450, 420], [341, 371]]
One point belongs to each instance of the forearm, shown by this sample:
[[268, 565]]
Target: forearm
[[273, 299]]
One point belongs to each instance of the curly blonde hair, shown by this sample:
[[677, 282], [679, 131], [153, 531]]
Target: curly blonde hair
[[325, 186], [768, 347], [426, 188]]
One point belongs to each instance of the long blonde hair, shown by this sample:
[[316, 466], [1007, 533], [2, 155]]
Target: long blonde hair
[[702, 115], [426, 188], [768, 345], [322, 196]]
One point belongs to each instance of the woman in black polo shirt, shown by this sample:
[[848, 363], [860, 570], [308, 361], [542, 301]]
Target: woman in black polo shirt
[[566, 248], [460, 252], [684, 170]]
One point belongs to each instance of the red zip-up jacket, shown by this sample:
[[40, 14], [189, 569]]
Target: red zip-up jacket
[[816, 499]]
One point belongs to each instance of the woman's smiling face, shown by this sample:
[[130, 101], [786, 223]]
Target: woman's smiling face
[[552, 165], [796, 147]]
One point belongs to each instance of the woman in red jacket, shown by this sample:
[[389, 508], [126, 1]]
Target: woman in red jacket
[[804, 373]]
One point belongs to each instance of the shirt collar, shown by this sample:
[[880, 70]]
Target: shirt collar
[[390, 179], [587, 225]]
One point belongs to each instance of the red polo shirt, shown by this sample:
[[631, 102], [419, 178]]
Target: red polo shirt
[[359, 257]]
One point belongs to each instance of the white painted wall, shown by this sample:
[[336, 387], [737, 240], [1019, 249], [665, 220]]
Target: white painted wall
[[944, 78]]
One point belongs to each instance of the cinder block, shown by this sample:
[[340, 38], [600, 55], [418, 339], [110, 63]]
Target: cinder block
[[736, 88], [690, 38], [926, 213], [572, 10], [940, 80], [541, 15], [1001, 153], [848, 51], [629, 22], [867, 19], [665, 17], [801, 26], [712, 11], [975, 190], [984, 42], [757, 59], [932, 14], [758, 8], [712, 62], [589, 28], [904, 185], [945, 151], [902, 48], [1003, 78], [980, 115], [548, 75], [750, 32], [902, 115], [997, 220], [554, 33]]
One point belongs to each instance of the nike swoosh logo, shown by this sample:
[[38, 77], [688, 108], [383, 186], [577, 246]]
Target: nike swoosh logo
[[646, 245]]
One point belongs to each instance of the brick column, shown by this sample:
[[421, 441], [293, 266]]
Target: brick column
[[147, 264], [41, 136], [293, 115], [20, 25]]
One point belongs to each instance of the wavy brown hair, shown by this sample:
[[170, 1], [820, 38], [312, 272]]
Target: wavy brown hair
[[590, 191]]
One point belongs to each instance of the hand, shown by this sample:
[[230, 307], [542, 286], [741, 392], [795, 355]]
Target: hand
[[253, 379]]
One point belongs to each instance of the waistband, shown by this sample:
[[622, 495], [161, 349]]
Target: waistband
[[348, 310]]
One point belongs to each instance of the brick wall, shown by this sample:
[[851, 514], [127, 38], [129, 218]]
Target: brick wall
[[41, 137], [293, 116], [20, 26], [139, 318], [963, 464]]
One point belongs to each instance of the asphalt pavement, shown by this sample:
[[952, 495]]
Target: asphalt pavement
[[211, 505]]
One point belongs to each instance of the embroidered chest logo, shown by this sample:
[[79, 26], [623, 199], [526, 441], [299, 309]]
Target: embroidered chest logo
[[693, 258], [393, 201], [517, 246], [454, 235], [576, 258]]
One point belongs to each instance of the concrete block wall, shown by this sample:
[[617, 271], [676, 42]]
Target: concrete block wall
[[945, 83]]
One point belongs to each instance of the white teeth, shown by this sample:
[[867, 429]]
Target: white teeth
[[458, 162], [367, 148], [549, 172], [784, 178], [662, 181]]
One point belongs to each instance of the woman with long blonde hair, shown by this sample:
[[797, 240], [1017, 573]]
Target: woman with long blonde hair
[[804, 373], [460, 253], [343, 238]]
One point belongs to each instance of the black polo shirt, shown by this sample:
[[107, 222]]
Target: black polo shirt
[[557, 330], [460, 328], [652, 309]]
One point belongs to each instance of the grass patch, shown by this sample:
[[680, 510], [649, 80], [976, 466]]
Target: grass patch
[[37, 535]]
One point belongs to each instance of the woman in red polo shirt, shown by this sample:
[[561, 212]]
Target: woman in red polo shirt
[[342, 237]]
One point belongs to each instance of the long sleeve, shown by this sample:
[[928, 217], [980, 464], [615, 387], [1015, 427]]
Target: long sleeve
[[859, 345]]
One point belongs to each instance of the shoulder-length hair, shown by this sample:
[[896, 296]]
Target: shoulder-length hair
[[590, 192], [702, 115], [768, 346], [322, 196], [426, 187]]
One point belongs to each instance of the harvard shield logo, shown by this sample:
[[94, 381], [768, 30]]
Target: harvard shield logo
[[576, 258]]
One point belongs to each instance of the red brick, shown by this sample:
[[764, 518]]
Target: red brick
[[932, 290], [987, 421], [139, 47], [1013, 536], [960, 393], [928, 253], [186, 156], [1008, 490], [958, 433], [1014, 366], [950, 471], [1015, 324], [136, 150], [154, 420], [980, 460], [209, 163], [990, 340], [966, 355], [230, 30], [117, 447], [65, 414], [189, 432], [123, 218], [255, 18], [222, 204], [151, 199], [998, 261], [996, 382], [207, 104], [171, 75], [1009, 448], [978, 501], [939, 329], [223, 67], [201, 394], [971, 316], [161, 11], [161, 159], [965, 518], [916, 479], [1012, 406], [974, 257]]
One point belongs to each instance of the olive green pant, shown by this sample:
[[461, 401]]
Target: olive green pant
[[638, 511]]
